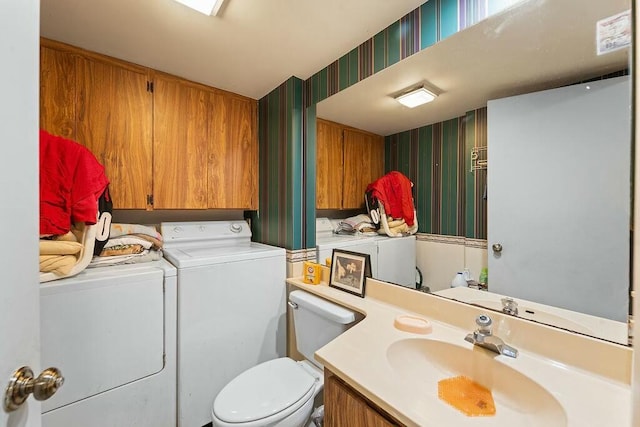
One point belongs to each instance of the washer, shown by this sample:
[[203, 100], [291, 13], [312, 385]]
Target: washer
[[393, 259], [231, 308], [327, 241], [397, 260], [112, 333]]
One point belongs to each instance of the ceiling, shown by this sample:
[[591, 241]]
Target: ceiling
[[250, 48], [538, 44]]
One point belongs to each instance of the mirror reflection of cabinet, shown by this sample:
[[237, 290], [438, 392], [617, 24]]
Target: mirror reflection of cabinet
[[347, 160]]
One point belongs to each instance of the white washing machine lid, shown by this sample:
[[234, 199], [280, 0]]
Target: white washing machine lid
[[264, 391], [194, 256]]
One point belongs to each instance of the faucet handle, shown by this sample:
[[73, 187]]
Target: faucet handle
[[484, 323]]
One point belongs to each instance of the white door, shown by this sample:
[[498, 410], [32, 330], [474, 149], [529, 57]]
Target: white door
[[559, 197], [19, 308]]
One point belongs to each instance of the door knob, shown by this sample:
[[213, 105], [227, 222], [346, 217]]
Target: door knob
[[497, 248], [22, 384]]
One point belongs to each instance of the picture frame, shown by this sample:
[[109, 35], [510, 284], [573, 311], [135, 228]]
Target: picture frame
[[349, 271]]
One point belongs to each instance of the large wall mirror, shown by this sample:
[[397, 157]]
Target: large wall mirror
[[533, 46]]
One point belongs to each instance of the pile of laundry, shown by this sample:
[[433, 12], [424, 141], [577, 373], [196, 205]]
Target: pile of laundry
[[357, 224], [390, 205], [129, 244], [71, 183]]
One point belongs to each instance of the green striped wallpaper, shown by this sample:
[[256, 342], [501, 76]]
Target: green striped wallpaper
[[279, 220], [437, 159], [287, 134], [435, 20]]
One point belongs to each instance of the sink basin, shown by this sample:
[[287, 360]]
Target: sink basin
[[537, 315], [420, 363]]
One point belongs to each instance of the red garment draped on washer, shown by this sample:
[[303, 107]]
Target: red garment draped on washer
[[393, 190], [71, 181]]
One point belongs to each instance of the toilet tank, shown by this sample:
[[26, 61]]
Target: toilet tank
[[316, 322]]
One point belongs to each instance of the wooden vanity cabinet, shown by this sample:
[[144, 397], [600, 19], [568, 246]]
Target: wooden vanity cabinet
[[345, 407], [348, 160], [165, 142]]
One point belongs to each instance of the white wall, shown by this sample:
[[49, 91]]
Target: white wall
[[439, 258]]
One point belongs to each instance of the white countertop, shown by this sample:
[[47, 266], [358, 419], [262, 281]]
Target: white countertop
[[591, 392]]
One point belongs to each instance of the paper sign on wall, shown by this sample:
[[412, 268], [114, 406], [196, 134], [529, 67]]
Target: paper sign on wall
[[613, 33]]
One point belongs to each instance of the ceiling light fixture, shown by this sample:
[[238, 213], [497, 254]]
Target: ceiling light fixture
[[208, 7], [416, 97]]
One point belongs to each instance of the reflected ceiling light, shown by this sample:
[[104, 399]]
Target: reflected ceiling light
[[416, 97], [208, 7]]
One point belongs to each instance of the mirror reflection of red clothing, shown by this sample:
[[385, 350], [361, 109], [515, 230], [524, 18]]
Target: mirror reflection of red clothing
[[393, 190], [71, 181]]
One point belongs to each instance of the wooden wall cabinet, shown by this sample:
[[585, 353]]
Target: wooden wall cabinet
[[348, 160], [165, 142], [345, 407], [205, 145]]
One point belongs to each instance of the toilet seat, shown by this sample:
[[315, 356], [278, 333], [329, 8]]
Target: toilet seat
[[264, 394]]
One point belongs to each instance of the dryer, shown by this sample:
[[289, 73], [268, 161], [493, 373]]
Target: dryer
[[231, 308], [112, 333], [393, 259], [327, 241], [397, 260]]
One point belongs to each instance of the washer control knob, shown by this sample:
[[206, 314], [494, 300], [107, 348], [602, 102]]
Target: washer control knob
[[236, 228]]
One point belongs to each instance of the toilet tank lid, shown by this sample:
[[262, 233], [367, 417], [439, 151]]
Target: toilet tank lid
[[323, 307]]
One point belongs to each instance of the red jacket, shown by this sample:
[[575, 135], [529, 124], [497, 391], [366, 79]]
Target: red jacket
[[393, 190], [71, 181]]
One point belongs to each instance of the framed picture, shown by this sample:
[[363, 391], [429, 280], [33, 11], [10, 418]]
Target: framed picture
[[349, 271]]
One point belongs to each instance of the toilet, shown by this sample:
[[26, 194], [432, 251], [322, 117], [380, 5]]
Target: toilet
[[281, 392]]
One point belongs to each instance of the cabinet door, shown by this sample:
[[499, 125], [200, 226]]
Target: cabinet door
[[58, 92], [329, 165], [114, 122], [180, 144], [233, 152], [344, 407], [363, 164]]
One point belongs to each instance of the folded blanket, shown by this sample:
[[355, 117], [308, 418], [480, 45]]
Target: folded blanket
[[124, 229], [356, 224], [122, 250], [58, 264], [128, 240], [59, 247], [155, 243], [145, 256]]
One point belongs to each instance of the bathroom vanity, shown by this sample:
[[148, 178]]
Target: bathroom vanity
[[344, 406], [382, 375]]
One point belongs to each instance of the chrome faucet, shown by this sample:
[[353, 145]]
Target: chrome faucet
[[509, 306], [484, 338]]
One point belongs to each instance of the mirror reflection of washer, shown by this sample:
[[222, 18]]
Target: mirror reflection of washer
[[231, 308]]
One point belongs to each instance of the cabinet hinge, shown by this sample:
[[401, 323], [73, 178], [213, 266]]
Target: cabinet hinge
[[150, 199], [149, 86]]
